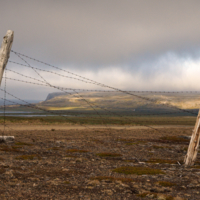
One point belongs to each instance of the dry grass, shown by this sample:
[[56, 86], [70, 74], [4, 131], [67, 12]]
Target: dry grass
[[162, 161], [174, 139], [27, 157], [9, 149], [66, 182], [125, 140], [138, 170], [166, 183], [23, 144], [2, 170], [111, 178], [76, 151], [107, 154]]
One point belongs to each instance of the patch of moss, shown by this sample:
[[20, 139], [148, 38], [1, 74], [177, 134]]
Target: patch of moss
[[162, 161], [196, 166], [70, 156], [23, 143], [98, 141], [76, 151], [16, 147], [174, 139], [138, 170], [185, 148], [111, 178], [133, 161], [166, 184], [169, 198], [136, 142], [158, 147], [54, 148], [107, 154], [130, 143], [26, 157], [66, 182], [2, 170], [125, 140], [9, 149], [1, 159]]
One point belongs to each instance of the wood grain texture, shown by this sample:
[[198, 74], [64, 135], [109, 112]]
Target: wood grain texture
[[5, 51], [194, 144]]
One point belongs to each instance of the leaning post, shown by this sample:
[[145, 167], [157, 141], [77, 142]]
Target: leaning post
[[5, 51], [194, 144], [4, 56]]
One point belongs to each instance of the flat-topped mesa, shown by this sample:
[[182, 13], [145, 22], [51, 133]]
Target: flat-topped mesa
[[5, 51], [54, 94]]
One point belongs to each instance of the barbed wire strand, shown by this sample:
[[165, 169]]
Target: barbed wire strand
[[72, 121], [113, 113], [61, 89], [4, 109], [144, 98], [54, 86], [148, 99]]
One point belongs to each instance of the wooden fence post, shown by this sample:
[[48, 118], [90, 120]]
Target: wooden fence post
[[5, 51], [194, 144], [4, 56]]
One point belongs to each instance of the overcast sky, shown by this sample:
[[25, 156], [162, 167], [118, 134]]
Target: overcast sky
[[129, 44]]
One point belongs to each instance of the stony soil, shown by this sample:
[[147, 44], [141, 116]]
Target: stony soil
[[82, 163]]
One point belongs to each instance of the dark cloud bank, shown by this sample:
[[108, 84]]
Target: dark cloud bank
[[149, 45]]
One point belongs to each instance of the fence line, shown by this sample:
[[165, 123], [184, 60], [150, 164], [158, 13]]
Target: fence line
[[77, 94], [96, 83]]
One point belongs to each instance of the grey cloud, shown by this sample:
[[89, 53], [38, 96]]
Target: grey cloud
[[100, 32], [129, 44]]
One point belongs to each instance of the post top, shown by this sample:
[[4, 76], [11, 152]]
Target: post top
[[9, 32]]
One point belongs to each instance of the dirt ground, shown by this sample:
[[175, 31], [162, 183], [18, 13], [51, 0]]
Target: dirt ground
[[53, 162]]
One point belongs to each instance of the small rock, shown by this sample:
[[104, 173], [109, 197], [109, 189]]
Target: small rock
[[9, 173], [178, 198], [161, 197], [93, 182], [109, 192]]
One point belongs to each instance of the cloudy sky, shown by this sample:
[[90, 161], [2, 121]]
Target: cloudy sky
[[129, 44]]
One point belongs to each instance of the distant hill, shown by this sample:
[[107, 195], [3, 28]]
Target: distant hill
[[118, 101], [54, 94]]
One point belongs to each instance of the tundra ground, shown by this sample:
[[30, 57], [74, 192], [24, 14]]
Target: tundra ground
[[96, 163]]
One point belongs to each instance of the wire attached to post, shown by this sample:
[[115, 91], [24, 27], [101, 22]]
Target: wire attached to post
[[4, 108]]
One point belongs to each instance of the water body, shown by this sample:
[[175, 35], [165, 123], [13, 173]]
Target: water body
[[33, 115]]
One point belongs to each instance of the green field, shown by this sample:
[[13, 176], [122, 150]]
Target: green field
[[96, 120]]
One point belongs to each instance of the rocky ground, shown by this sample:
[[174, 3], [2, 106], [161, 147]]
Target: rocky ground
[[98, 164]]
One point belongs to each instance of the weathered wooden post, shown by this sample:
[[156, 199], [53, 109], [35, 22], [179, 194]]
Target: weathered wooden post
[[194, 144], [5, 51], [4, 56]]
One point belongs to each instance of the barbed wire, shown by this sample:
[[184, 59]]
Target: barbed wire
[[103, 85], [95, 90], [91, 81], [59, 114], [113, 113], [62, 89], [4, 108], [106, 91], [132, 114], [116, 114], [34, 107], [39, 108], [89, 103]]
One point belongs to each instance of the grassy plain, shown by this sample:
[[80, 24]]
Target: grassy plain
[[102, 120]]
